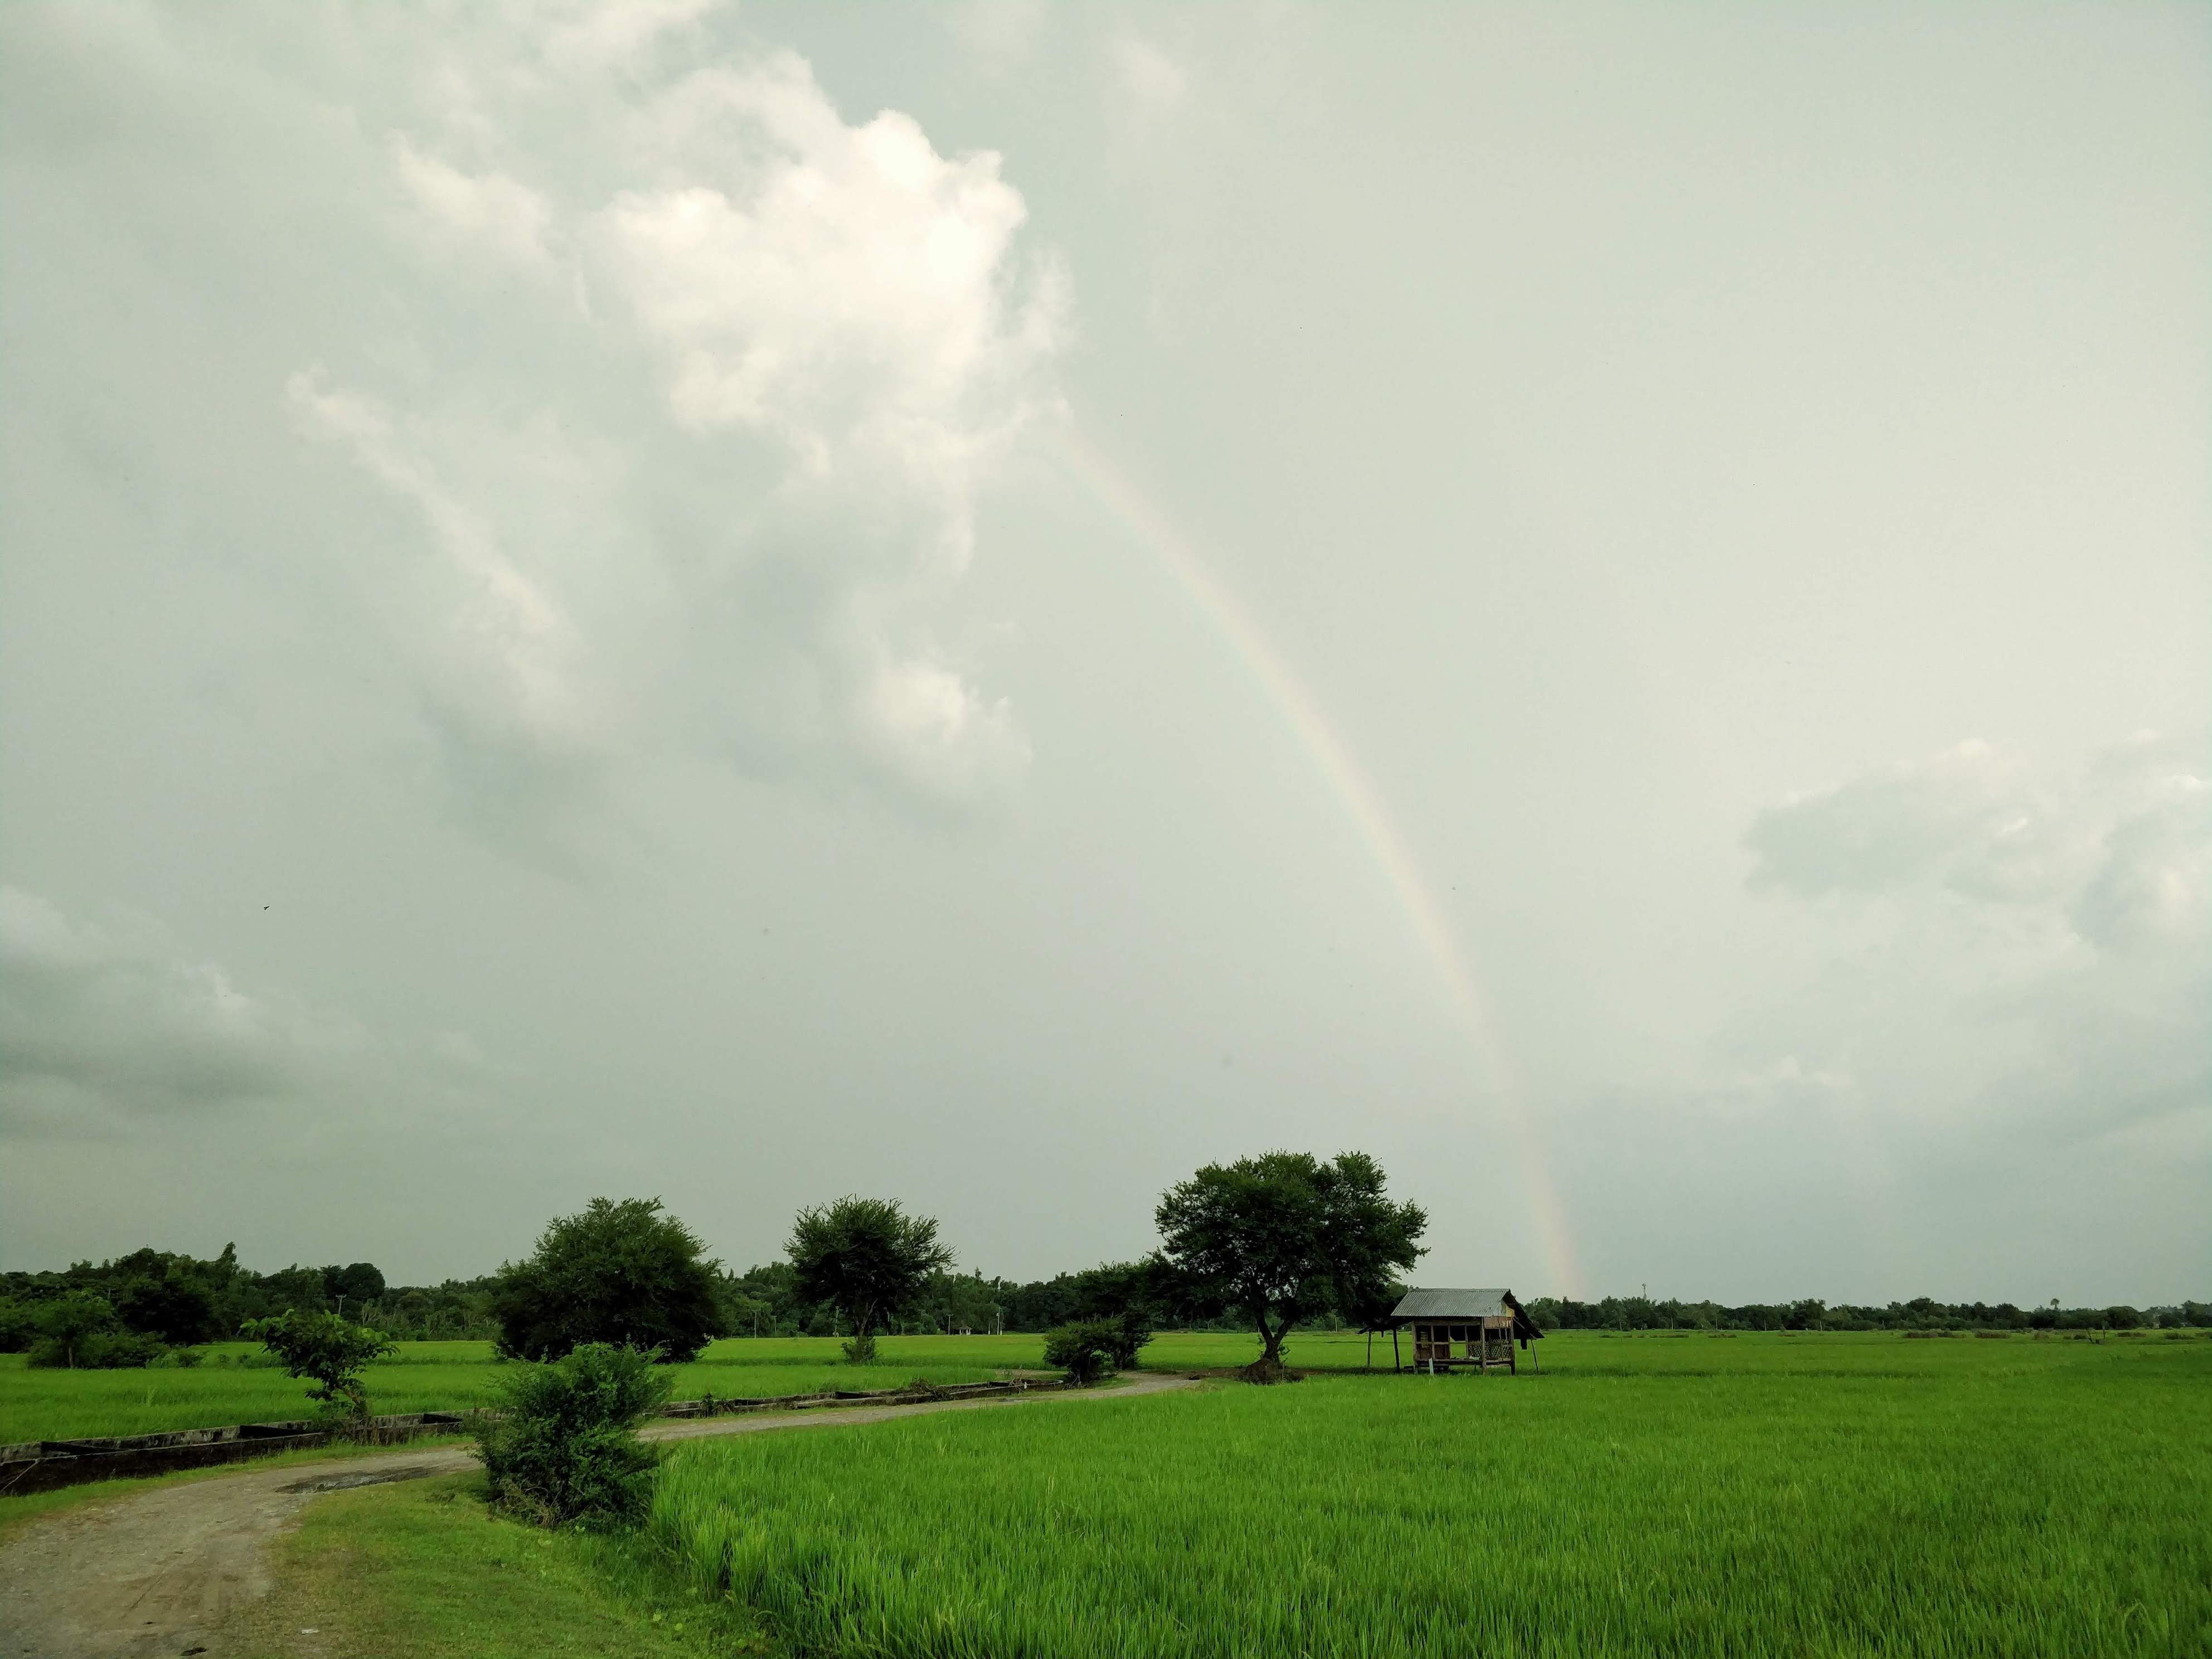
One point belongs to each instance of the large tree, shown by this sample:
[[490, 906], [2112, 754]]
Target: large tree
[[1283, 1237], [626, 1274], [865, 1258]]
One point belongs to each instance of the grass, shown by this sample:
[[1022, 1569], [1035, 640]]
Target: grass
[[452, 1376], [422, 1570], [18, 1511], [45, 1405], [1754, 1495]]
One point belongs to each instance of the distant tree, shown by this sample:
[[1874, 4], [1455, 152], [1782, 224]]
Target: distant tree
[[865, 1258], [1282, 1237], [626, 1274], [72, 1325], [326, 1351], [177, 1306], [360, 1283]]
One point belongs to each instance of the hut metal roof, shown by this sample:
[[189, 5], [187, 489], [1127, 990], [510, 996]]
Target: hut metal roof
[[1463, 1305]]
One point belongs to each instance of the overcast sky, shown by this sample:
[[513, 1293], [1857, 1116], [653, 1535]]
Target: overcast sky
[[986, 605]]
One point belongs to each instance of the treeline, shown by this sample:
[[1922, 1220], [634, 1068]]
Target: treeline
[[125, 1310], [133, 1310], [1639, 1313], [763, 1301]]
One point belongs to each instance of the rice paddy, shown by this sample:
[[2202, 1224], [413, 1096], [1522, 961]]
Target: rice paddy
[[1751, 1495], [234, 1385]]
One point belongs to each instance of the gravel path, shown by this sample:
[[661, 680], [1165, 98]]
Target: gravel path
[[159, 1572]]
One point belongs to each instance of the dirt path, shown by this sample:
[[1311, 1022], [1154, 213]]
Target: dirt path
[[158, 1573]]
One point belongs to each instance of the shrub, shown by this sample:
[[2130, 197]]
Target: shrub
[[861, 1350], [1132, 1330], [624, 1274], [96, 1351], [1084, 1351], [325, 1350], [564, 1445]]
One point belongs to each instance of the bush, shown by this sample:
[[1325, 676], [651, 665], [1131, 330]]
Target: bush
[[325, 1350], [96, 1351], [1132, 1330], [624, 1274], [18, 1328], [861, 1350], [1084, 1351], [564, 1445]]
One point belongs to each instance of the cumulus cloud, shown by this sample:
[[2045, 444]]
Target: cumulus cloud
[[805, 341], [509, 218], [2025, 950]]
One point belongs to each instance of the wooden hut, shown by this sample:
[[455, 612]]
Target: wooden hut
[[1462, 1330]]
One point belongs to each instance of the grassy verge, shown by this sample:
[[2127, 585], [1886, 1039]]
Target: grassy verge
[[16, 1513], [422, 1570]]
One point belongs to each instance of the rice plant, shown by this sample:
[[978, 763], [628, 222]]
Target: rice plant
[[1760, 1496]]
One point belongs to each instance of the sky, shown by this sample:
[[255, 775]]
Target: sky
[[989, 603]]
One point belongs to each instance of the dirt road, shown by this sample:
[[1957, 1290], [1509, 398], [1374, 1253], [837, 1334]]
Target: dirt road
[[157, 1573]]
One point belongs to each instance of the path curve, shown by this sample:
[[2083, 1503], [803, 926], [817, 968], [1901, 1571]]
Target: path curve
[[159, 1572]]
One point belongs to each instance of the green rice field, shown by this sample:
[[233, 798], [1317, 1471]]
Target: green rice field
[[61, 1405], [1826, 1494]]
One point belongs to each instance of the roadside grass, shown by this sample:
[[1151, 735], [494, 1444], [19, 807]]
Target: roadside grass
[[1818, 1495], [18, 1512], [423, 1569]]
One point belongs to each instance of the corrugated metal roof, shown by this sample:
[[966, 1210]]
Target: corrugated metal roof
[[1454, 1305]]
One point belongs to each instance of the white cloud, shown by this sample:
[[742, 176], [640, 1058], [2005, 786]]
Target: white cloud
[[509, 218], [2021, 951], [808, 343], [499, 653], [1000, 35], [1147, 76], [615, 33], [846, 289]]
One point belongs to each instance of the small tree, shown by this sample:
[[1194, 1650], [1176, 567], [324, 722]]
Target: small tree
[[627, 1274], [1282, 1237], [325, 1350], [79, 1330], [563, 1444], [1086, 1350], [865, 1258]]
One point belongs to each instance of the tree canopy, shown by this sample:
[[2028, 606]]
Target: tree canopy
[[1284, 1238], [626, 1274], [866, 1258]]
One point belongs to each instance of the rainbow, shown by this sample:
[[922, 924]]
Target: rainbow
[[1363, 803]]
